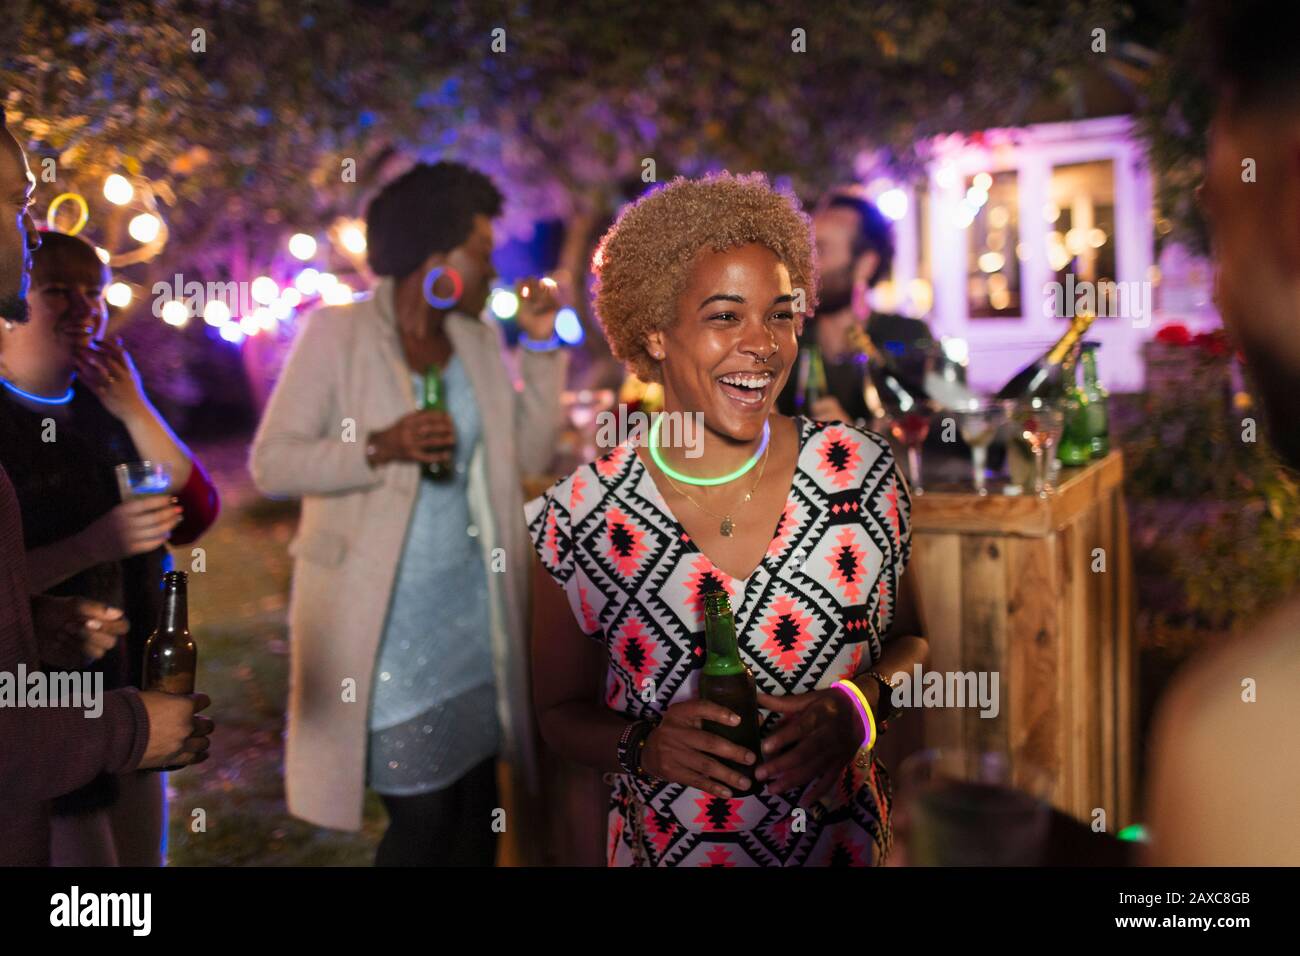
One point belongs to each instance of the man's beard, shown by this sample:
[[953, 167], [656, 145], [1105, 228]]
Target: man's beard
[[13, 308], [1277, 387], [835, 296]]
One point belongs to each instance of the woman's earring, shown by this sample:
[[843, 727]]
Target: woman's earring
[[457, 285], [9, 326]]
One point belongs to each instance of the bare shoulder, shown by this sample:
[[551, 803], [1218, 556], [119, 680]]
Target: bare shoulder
[[1225, 752]]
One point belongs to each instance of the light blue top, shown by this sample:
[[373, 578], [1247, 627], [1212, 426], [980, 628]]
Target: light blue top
[[436, 648]]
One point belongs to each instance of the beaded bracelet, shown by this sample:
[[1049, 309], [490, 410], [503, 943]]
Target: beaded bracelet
[[630, 744]]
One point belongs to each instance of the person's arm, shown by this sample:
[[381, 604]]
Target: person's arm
[[539, 416], [200, 505], [568, 668], [303, 445], [49, 751], [904, 645]]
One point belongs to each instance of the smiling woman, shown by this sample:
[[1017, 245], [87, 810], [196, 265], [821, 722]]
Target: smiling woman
[[804, 525]]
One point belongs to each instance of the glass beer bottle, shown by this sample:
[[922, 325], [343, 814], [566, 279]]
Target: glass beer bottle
[[728, 682], [170, 657], [433, 399]]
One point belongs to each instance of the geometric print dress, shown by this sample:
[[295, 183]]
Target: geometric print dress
[[813, 612]]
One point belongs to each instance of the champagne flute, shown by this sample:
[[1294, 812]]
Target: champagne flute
[[1040, 421], [978, 420]]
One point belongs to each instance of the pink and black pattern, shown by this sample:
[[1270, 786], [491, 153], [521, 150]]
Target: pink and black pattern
[[813, 611]]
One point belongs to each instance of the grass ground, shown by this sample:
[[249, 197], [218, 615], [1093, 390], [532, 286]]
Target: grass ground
[[237, 615]]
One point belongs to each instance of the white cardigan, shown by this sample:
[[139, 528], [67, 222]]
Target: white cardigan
[[346, 376]]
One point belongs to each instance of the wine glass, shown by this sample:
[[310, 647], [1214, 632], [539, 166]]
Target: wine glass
[[1040, 421], [910, 429], [978, 420]]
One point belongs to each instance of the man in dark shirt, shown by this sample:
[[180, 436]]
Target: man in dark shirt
[[855, 250], [53, 748]]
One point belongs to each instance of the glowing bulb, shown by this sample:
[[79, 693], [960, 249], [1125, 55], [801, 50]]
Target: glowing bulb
[[992, 261], [1097, 238], [216, 312], [567, 326], [892, 203], [308, 281], [1051, 212], [118, 295], [175, 313], [264, 290], [302, 246], [291, 297], [265, 318], [249, 325], [340, 293], [353, 239], [504, 304], [232, 333], [145, 227], [326, 280], [982, 182], [279, 310], [119, 191], [104, 255]]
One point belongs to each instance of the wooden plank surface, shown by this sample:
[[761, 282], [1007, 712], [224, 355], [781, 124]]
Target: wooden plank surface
[[937, 559], [984, 634]]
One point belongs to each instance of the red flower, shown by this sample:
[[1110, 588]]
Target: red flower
[[1214, 344], [1174, 333]]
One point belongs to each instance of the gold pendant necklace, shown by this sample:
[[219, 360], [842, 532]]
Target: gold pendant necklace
[[728, 526]]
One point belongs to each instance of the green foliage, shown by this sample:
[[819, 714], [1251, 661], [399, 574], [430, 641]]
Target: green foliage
[[249, 133], [1238, 551], [1174, 119]]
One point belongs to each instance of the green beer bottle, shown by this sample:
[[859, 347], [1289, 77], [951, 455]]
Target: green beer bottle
[[1074, 449], [1098, 413], [433, 399], [812, 379], [728, 682]]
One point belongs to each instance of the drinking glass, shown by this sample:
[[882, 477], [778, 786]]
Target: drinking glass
[[910, 429], [978, 420], [970, 808], [1039, 422], [139, 479]]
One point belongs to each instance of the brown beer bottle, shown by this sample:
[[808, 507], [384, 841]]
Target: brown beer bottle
[[726, 681], [170, 657]]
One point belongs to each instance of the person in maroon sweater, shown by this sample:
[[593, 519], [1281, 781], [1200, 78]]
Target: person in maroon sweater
[[59, 370], [50, 750]]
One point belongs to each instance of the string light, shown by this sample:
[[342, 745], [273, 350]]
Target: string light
[[175, 313], [216, 313], [118, 295], [118, 190], [264, 290], [302, 246], [353, 238], [144, 227]]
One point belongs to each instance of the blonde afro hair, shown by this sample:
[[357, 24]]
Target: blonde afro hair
[[642, 263]]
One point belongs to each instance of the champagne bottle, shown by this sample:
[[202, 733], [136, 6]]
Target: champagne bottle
[[726, 680], [893, 390], [433, 399], [1045, 375]]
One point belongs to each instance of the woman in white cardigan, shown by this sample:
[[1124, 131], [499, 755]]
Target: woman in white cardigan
[[408, 610]]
